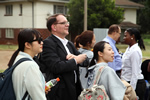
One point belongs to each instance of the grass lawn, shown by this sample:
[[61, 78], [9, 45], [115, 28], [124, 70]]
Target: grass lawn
[[8, 47], [121, 47], [1, 70], [146, 53]]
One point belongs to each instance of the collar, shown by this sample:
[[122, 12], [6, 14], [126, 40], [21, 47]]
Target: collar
[[132, 47], [102, 64], [64, 41], [25, 54], [113, 41], [97, 65]]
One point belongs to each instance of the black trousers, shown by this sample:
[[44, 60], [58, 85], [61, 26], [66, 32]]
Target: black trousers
[[118, 72], [140, 88]]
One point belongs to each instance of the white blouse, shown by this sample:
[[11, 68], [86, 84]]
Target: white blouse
[[28, 77], [131, 65]]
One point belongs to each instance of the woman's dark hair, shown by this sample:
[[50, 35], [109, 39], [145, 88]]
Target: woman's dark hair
[[51, 20], [76, 41], [138, 38], [98, 47], [84, 38], [25, 35]]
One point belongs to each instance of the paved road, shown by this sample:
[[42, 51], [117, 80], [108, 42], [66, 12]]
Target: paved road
[[4, 58]]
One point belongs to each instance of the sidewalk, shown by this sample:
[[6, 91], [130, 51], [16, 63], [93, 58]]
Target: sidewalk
[[4, 58]]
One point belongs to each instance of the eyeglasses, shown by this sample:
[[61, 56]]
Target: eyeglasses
[[39, 40], [63, 23]]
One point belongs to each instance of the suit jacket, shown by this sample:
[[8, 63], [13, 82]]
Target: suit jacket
[[54, 57]]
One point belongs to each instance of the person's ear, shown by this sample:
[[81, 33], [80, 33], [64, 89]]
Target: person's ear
[[100, 54], [53, 27], [27, 45], [133, 36]]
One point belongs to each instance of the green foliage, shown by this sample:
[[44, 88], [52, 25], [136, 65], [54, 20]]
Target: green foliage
[[138, 0], [146, 36], [101, 14], [145, 53], [76, 12], [1, 70], [143, 16]]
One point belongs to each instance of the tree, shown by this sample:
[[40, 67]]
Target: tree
[[101, 14], [76, 14], [143, 17], [138, 1]]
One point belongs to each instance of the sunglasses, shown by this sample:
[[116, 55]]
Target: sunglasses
[[39, 40]]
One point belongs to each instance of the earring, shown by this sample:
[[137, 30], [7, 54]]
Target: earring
[[131, 38]]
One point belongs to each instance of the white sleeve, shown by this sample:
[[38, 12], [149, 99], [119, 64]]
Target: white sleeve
[[113, 85], [135, 63], [34, 83]]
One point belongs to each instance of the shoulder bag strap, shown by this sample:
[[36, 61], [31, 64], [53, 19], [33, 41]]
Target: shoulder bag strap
[[98, 75]]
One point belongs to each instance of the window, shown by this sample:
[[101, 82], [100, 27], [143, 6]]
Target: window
[[9, 10], [20, 10], [9, 33], [60, 9]]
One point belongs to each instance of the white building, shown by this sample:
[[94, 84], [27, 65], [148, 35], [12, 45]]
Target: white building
[[16, 15], [19, 14]]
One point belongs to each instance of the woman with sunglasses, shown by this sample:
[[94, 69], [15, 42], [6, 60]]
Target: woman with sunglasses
[[27, 76]]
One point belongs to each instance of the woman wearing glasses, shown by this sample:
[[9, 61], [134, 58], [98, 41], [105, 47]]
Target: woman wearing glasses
[[27, 76]]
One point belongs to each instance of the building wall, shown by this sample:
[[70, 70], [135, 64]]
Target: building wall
[[100, 33], [16, 21], [11, 41], [42, 11], [130, 15]]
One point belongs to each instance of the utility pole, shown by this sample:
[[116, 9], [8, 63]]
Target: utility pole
[[85, 15]]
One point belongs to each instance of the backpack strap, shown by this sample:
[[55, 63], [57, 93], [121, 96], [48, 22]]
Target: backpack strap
[[98, 75], [25, 95], [15, 65], [18, 62]]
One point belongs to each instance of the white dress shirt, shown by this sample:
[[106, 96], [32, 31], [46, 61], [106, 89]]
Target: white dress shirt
[[131, 65]]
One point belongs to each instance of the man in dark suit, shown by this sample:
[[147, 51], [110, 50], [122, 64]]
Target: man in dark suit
[[62, 60]]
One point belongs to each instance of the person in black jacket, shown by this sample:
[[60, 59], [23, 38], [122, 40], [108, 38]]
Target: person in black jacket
[[146, 72], [62, 60]]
